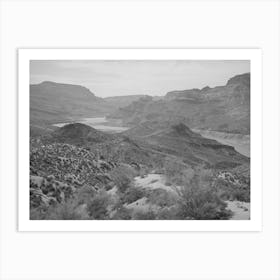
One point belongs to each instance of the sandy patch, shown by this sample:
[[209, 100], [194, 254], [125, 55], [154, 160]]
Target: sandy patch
[[240, 209], [153, 181]]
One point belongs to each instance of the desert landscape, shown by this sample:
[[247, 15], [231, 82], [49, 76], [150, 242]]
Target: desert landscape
[[182, 155]]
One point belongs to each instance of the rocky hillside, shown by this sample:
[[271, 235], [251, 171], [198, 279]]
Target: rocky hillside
[[78, 172], [58, 170], [223, 108], [177, 139], [54, 102], [122, 101], [77, 158], [80, 134]]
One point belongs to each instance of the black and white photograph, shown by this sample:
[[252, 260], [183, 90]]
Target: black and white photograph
[[139, 139]]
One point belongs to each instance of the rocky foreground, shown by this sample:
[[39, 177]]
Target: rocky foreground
[[89, 180]]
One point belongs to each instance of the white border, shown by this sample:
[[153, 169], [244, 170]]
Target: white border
[[254, 55]]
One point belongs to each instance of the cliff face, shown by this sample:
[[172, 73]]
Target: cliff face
[[223, 108]]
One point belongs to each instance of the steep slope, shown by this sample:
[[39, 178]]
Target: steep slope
[[116, 147], [177, 139], [223, 108], [79, 134], [78, 172], [53, 102], [122, 101]]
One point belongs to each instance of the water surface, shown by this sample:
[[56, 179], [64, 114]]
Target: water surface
[[100, 123]]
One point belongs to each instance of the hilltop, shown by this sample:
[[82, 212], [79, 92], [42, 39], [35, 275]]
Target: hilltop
[[80, 134], [179, 140]]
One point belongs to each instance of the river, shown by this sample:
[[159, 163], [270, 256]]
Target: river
[[100, 123], [240, 142]]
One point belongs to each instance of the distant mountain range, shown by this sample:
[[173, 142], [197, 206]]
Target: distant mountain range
[[222, 108], [52, 102], [122, 101]]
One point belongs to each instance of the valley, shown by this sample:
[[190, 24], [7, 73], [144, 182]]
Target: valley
[[77, 167], [240, 142], [185, 156]]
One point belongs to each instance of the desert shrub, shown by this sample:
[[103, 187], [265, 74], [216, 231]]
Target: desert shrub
[[122, 176], [168, 213], [85, 194], [144, 215], [37, 213], [108, 186], [161, 198], [200, 201], [173, 168], [143, 172], [132, 194], [177, 172], [206, 175], [69, 210], [230, 191], [122, 213], [98, 206], [242, 195]]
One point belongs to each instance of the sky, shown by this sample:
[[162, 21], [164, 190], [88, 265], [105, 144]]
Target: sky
[[116, 78]]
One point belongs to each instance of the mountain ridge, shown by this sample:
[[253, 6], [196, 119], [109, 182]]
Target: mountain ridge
[[52, 102], [178, 139], [222, 108]]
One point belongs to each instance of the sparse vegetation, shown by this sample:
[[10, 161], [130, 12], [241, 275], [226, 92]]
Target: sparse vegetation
[[161, 198], [177, 172], [144, 215], [200, 201], [69, 210], [98, 181], [230, 191], [122, 176], [132, 194], [122, 213], [98, 206]]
